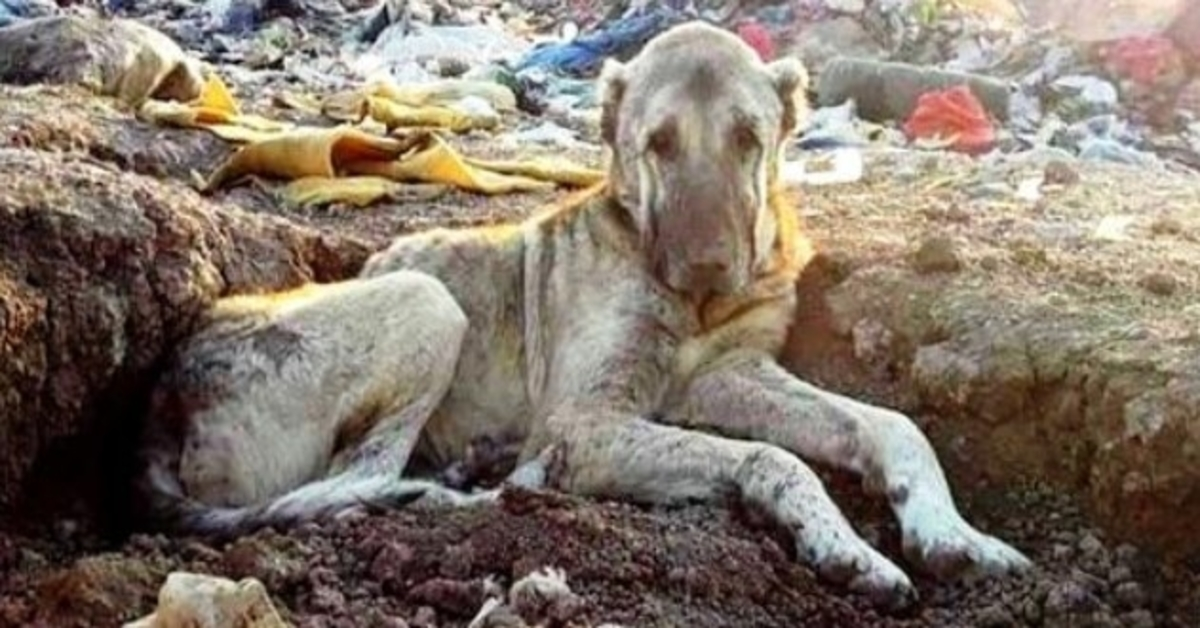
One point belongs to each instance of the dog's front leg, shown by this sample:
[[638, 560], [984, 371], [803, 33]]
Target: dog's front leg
[[755, 398], [601, 453]]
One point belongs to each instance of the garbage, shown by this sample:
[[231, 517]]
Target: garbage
[[192, 600], [583, 55], [1141, 59], [12, 11], [884, 90], [834, 167], [758, 38], [404, 55], [1084, 96], [955, 115]]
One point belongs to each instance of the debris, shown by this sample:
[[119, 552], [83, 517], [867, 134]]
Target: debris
[[884, 90], [404, 56], [838, 166], [12, 11], [583, 55], [191, 600], [954, 115], [758, 38], [1085, 96], [938, 254]]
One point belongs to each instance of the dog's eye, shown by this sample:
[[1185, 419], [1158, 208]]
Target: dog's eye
[[745, 140], [663, 142]]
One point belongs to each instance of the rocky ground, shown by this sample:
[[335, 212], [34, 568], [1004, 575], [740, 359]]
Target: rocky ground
[[1036, 313]]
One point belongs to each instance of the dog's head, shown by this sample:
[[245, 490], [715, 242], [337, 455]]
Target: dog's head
[[695, 126]]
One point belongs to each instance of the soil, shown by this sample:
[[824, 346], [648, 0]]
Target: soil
[[930, 255]]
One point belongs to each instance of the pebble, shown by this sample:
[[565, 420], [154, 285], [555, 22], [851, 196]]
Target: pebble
[[1059, 172], [1166, 225], [1069, 598], [1130, 595], [938, 254], [1140, 618], [995, 616], [1160, 284]]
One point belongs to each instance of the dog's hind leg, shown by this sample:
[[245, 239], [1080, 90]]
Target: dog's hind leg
[[301, 405]]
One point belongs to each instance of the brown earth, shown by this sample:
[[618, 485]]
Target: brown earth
[[1034, 340]]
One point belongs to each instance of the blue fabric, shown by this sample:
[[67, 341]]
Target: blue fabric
[[13, 11], [585, 53]]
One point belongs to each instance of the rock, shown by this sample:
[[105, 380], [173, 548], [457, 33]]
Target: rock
[[887, 91], [100, 272], [1161, 284], [254, 558], [119, 58], [937, 255], [1069, 598], [189, 600], [1166, 225], [1130, 595], [105, 589], [457, 597], [1059, 172]]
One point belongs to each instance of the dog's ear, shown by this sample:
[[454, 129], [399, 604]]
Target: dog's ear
[[790, 78], [611, 90]]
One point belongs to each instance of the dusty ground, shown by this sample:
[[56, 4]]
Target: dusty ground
[[935, 276]]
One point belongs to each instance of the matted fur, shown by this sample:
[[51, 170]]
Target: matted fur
[[625, 340]]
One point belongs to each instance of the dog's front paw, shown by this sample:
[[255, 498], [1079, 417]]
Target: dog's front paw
[[854, 563], [943, 544]]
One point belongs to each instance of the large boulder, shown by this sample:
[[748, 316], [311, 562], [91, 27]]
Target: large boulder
[[101, 271]]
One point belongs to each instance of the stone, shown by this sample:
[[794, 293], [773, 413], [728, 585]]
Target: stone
[[937, 255], [1161, 284]]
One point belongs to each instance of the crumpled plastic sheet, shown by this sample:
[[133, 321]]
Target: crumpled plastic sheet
[[583, 55], [12, 11]]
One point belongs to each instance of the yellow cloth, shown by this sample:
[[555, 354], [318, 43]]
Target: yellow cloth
[[348, 164], [215, 110]]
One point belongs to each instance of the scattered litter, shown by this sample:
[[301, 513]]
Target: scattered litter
[[838, 166], [954, 115], [191, 600]]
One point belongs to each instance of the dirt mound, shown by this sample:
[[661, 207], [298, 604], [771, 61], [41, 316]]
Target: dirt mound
[[101, 271], [691, 566]]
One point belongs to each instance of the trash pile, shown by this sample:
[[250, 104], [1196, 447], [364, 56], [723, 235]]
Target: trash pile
[[972, 76]]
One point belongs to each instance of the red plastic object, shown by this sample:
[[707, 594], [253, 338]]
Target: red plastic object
[[759, 39], [953, 112], [1141, 59]]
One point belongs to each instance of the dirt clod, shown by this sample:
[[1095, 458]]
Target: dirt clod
[[1161, 284], [937, 255]]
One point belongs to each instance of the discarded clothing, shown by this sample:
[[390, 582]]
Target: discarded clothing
[[954, 115], [348, 164], [758, 38], [583, 55]]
